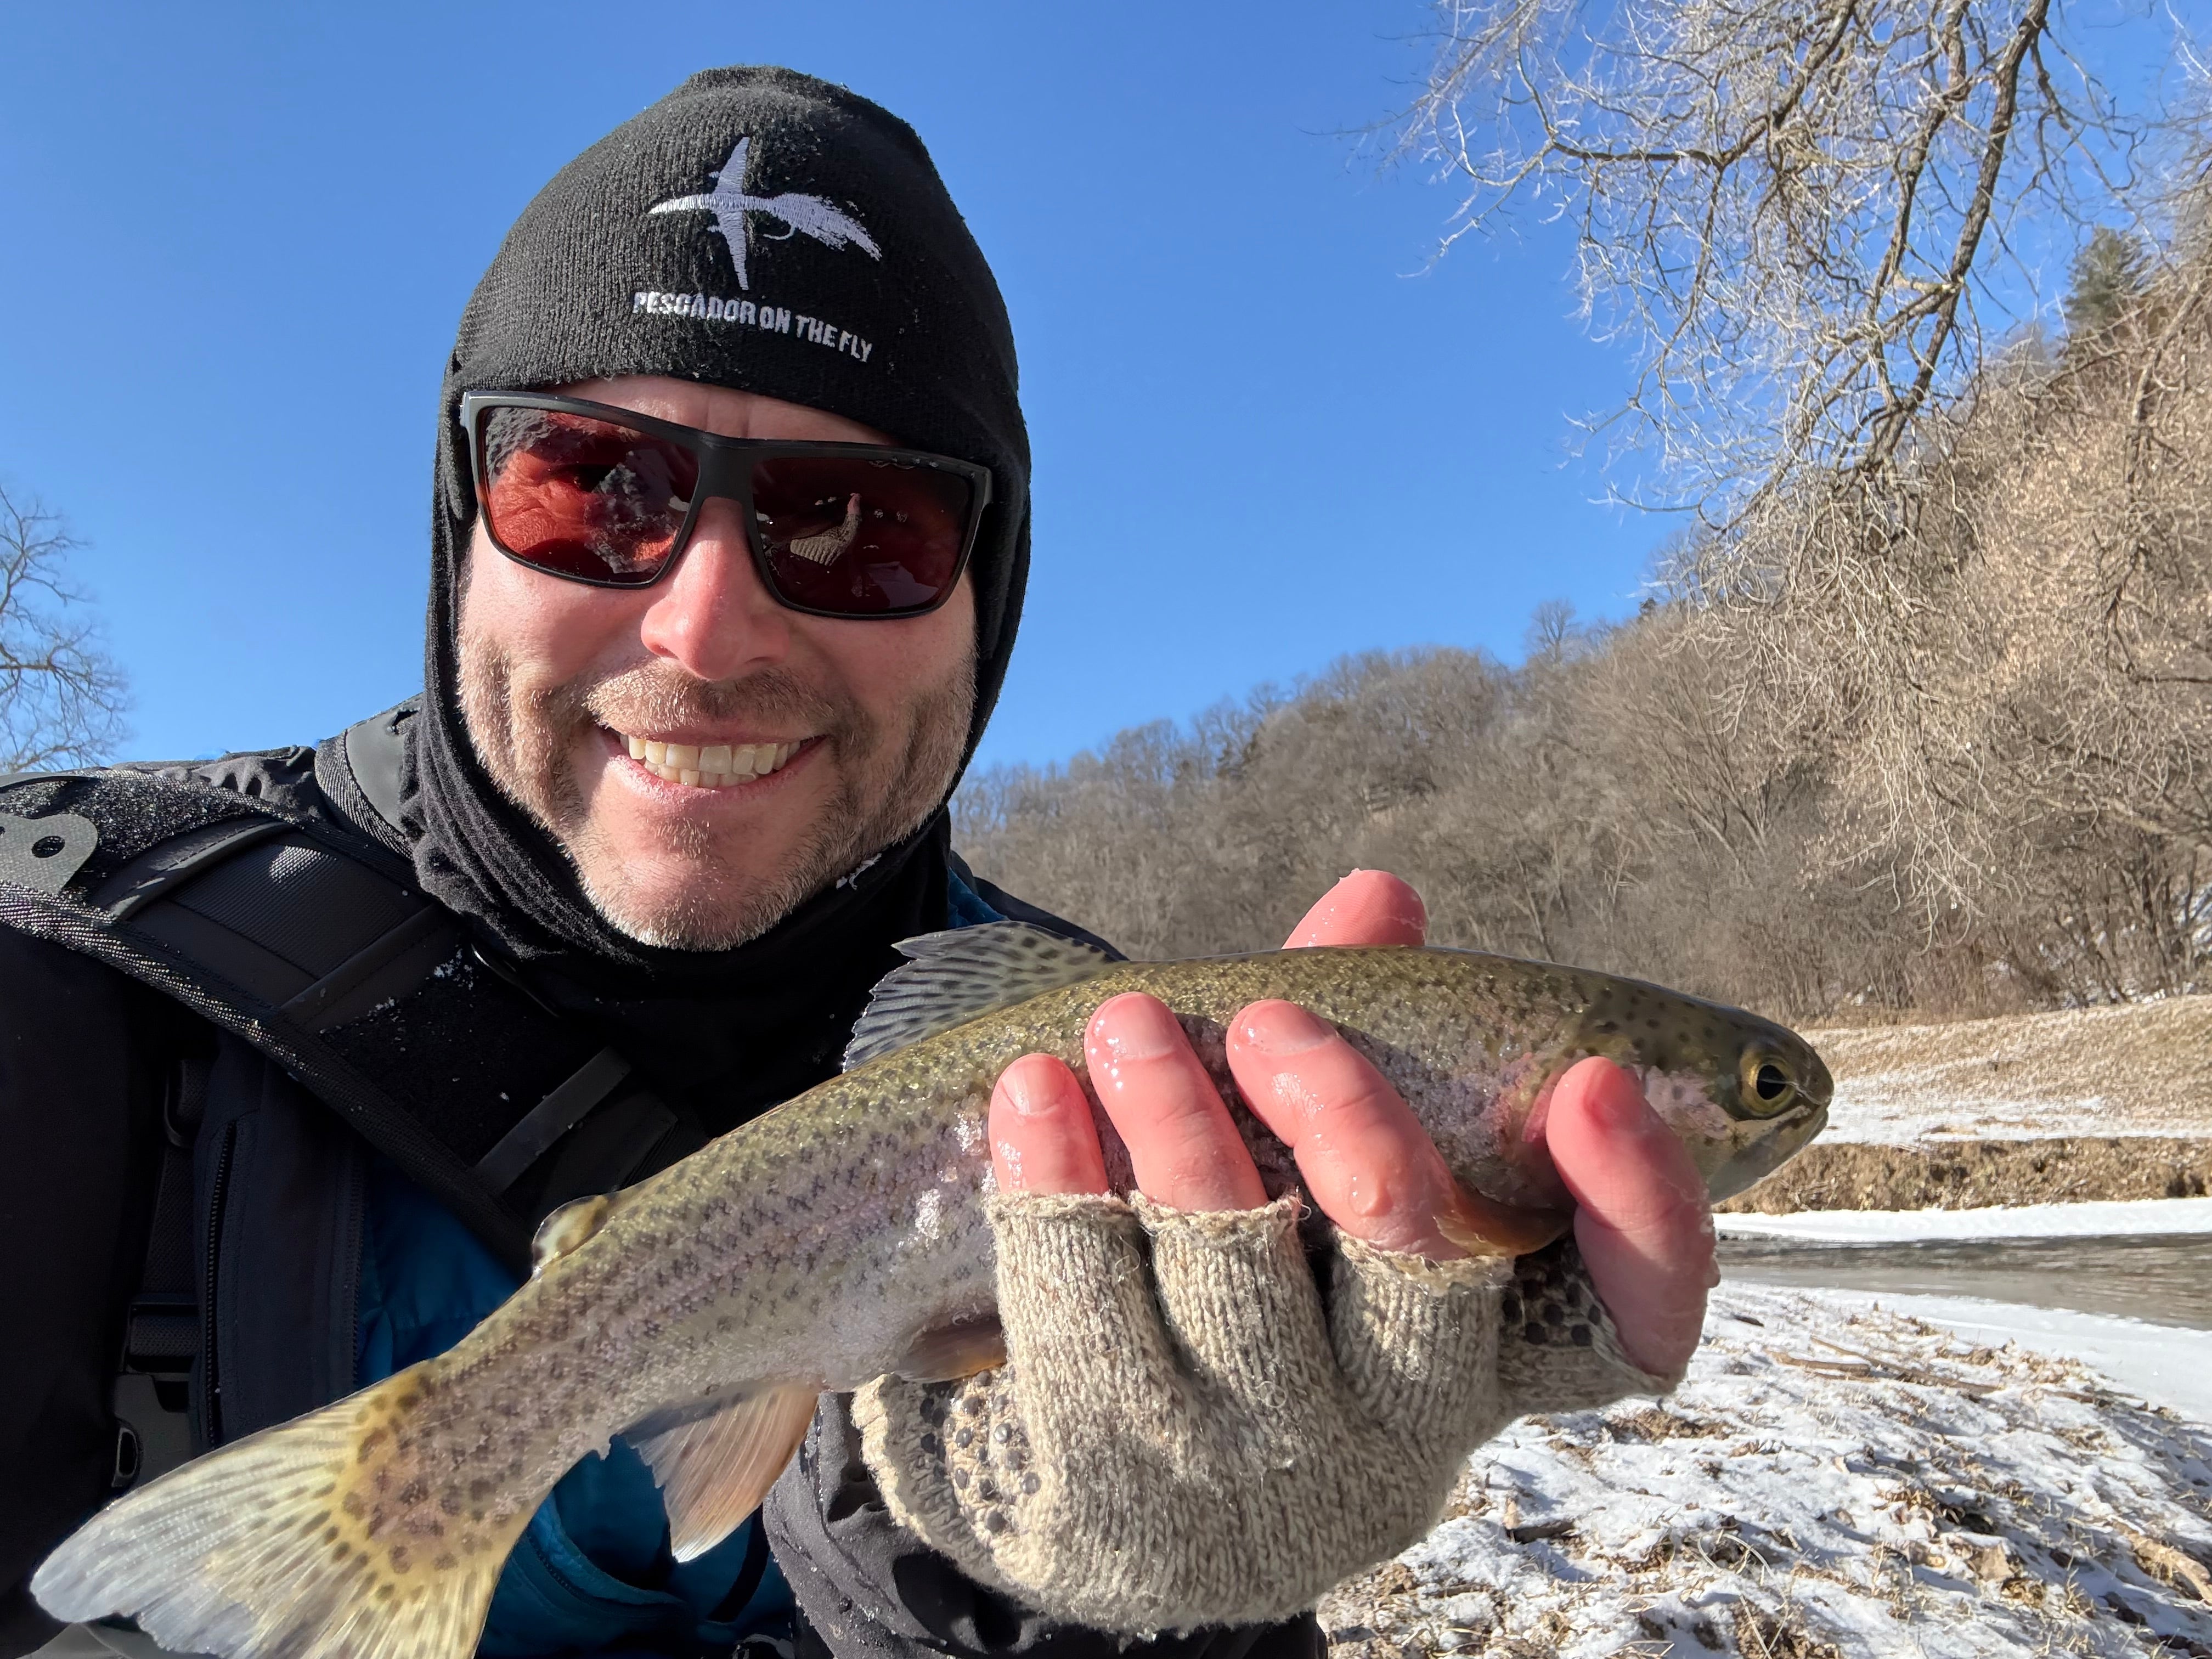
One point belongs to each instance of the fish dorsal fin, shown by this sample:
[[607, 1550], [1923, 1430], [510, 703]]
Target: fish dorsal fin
[[714, 1470], [567, 1227], [961, 973]]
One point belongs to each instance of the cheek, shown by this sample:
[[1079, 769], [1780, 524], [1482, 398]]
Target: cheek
[[888, 666], [546, 630]]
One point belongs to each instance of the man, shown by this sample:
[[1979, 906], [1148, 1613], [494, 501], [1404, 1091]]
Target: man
[[730, 535]]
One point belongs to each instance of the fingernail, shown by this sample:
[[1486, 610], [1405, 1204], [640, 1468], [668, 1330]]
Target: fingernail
[[1284, 1029], [1023, 1093], [1137, 1027], [1614, 1096]]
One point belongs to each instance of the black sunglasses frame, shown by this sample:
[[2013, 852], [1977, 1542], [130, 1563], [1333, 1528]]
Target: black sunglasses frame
[[724, 472]]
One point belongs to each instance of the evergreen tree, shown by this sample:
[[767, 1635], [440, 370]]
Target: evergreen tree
[[2107, 276]]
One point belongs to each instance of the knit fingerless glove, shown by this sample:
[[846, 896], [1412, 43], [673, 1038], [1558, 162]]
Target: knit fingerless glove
[[1186, 1433]]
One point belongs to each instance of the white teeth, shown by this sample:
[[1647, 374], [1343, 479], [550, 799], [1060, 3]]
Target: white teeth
[[710, 766]]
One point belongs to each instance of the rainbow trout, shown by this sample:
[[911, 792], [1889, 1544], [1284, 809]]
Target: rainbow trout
[[836, 1238]]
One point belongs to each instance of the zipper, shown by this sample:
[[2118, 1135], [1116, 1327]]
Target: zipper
[[211, 1384]]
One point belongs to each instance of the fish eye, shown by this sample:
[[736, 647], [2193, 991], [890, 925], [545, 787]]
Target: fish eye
[[1769, 1085]]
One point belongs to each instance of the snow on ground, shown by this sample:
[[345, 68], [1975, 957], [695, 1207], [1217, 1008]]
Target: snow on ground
[[2145, 1216], [2143, 1068], [1834, 1479], [2164, 1364]]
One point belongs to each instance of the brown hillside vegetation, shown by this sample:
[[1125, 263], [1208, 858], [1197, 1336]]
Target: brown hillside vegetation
[[2109, 1102], [1959, 762], [2144, 1069], [1970, 1175]]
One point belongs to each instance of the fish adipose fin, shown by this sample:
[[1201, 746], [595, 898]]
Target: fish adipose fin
[[961, 973], [714, 1470], [322, 1537]]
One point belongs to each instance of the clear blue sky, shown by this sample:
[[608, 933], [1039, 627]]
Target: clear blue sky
[[237, 240]]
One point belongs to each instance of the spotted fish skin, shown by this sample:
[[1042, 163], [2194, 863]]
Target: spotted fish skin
[[828, 1241]]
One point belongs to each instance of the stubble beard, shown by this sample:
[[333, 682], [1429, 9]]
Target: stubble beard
[[884, 787]]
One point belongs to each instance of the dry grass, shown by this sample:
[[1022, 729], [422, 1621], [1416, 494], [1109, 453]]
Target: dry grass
[[1964, 1175], [1828, 1482], [2136, 1068]]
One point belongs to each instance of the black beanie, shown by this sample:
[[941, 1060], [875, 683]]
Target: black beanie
[[866, 295], [762, 230]]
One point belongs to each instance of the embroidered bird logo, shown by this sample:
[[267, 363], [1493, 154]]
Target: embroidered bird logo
[[802, 213]]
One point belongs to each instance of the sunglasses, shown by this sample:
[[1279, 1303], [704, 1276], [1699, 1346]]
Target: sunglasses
[[599, 495]]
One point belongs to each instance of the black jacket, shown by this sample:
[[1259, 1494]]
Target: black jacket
[[128, 1085]]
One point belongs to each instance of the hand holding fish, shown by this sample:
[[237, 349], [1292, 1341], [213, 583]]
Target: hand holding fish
[[1642, 1218], [1184, 1433], [885, 1224]]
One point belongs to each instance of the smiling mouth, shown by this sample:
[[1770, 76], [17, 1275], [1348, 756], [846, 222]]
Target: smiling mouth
[[709, 766]]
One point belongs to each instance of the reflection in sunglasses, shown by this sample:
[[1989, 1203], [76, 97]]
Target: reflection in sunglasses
[[578, 493], [828, 547]]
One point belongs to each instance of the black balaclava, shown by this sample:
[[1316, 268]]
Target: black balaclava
[[900, 326]]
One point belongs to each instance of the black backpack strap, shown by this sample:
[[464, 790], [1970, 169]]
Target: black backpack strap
[[271, 896], [364, 774], [262, 919], [161, 1326], [161, 1333]]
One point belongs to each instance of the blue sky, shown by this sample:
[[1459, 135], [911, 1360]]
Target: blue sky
[[1267, 430]]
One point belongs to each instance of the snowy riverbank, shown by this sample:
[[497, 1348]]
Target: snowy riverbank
[[1839, 1477], [2136, 1068], [2091, 1220]]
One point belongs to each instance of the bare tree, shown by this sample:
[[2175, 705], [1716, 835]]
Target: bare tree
[[1918, 715], [62, 697], [1816, 226], [1792, 212]]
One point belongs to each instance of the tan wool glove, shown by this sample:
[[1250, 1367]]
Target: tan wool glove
[[1184, 1435]]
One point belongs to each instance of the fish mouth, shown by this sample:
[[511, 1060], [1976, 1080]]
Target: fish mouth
[[1765, 1156]]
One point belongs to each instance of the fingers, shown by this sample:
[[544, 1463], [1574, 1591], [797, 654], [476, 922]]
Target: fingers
[[1368, 907], [1183, 1145], [1042, 1136], [1367, 1162], [1364, 1157], [1644, 1221]]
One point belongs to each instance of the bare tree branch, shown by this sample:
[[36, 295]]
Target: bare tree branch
[[1788, 210], [61, 698]]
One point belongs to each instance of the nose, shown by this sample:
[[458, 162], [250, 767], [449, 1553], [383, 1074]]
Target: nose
[[711, 615]]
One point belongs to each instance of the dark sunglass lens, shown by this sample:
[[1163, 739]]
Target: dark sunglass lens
[[584, 497], [860, 538]]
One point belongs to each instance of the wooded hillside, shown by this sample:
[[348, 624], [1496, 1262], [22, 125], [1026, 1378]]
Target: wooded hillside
[[1960, 762]]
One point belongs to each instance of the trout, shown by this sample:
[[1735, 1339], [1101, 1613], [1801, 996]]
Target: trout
[[837, 1238]]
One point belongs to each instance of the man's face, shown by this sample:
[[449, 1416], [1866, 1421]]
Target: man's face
[[558, 680]]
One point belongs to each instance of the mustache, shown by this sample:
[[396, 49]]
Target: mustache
[[658, 694]]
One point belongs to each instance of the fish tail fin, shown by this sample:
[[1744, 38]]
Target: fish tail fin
[[340, 1533]]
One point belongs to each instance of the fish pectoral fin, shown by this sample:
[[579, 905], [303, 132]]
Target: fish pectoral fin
[[1482, 1227], [714, 1470], [949, 1352], [963, 972], [334, 1533]]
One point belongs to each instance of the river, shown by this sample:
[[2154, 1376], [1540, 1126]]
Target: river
[[2166, 1279]]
